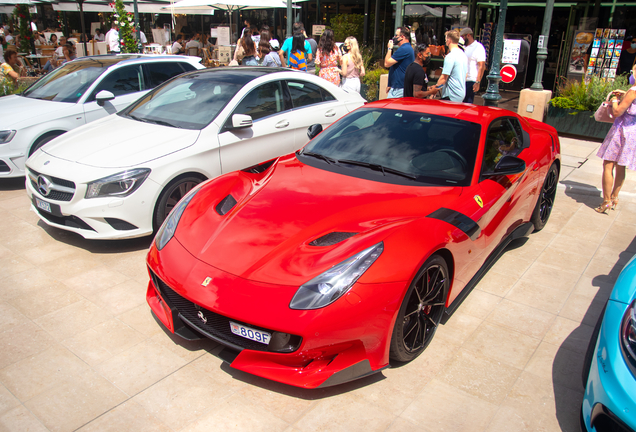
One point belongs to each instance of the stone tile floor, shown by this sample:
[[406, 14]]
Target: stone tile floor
[[79, 349]]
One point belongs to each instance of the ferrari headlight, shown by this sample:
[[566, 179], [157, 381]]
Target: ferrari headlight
[[166, 232], [628, 336], [6, 136], [332, 284], [118, 185]]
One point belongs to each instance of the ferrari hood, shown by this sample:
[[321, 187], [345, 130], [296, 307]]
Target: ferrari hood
[[265, 228], [118, 142]]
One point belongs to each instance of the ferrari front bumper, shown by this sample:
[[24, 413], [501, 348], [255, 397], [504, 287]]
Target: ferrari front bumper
[[341, 342]]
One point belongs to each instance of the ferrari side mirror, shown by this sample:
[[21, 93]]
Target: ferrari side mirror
[[314, 130], [508, 165]]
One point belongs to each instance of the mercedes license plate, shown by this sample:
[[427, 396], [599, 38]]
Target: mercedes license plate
[[43, 205], [250, 333]]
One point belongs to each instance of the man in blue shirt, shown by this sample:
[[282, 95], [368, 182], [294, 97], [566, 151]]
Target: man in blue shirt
[[398, 61], [453, 77]]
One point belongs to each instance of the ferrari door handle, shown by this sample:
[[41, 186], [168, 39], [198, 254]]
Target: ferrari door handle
[[282, 124], [330, 113]]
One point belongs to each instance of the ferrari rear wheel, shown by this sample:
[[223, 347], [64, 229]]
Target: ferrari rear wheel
[[421, 310], [543, 209]]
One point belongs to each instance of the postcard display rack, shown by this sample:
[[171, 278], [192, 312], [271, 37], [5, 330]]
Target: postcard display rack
[[606, 50]]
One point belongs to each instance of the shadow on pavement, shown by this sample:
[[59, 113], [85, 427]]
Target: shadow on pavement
[[567, 367], [96, 246], [583, 193], [11, 184]]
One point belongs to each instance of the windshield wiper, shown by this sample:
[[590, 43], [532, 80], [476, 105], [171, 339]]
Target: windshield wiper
[[320, 156], [138, 118], [378, 167]]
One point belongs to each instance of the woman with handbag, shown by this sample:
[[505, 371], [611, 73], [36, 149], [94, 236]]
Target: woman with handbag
[[619, 147]]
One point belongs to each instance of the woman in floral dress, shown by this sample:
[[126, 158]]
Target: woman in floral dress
[[619, 147], [328, 58]]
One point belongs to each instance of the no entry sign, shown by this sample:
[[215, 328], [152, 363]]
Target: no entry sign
[[508, 73]]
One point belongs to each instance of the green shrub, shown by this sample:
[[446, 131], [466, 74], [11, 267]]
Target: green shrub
[[582, 96], [372, 80], [345, 25], [9, 88]]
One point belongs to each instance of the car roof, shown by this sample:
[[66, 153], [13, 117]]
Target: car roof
[[462, 111], [113, 59], [238, 75]]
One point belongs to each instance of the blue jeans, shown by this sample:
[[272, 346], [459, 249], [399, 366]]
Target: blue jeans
[[395, 93]]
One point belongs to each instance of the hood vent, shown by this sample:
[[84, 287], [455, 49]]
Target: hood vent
[[332, 238], [257, 169], [225, 205]]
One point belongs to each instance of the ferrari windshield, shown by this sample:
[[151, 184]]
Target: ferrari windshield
[[69, 82], [392, 143], [191, 101]]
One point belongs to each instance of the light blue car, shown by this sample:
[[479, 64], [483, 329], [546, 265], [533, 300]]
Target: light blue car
[[609, 371]]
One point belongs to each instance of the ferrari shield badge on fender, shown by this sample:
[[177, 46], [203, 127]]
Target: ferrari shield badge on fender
[[479, 201], [207, 281]]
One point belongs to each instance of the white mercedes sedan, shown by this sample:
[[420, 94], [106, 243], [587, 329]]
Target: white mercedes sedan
[[75, 94], [119, 177]]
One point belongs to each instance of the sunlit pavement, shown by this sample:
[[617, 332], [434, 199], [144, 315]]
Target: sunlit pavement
[[79, 348]]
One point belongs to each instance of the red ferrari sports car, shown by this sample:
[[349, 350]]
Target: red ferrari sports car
[[322, 266]]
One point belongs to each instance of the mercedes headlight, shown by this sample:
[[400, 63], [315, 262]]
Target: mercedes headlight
[[332, 284], [118, 185], [6, 136], [628, 336], [166, 232]]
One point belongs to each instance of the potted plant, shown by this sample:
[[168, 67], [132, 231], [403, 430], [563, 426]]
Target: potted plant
[[572, 110]]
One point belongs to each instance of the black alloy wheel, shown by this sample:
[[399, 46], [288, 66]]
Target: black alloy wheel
[[171, 196], [545, 202], [421, 310]]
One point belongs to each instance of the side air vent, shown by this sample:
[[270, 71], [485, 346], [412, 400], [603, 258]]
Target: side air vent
[[257, 169], [332, 238], [225, 205]]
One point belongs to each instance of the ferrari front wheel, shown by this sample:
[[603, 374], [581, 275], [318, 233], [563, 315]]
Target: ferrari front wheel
[[545, 202], [421, 310]]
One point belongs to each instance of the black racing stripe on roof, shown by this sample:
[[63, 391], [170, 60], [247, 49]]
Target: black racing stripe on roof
[[459, 220]]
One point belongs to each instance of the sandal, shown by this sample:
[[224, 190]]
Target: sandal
[[614, 203], [604, 207]]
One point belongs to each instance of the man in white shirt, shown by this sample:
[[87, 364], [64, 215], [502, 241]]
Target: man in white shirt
[[194, 43], [8, 37], [177, 48], [142, 38], [112, 39], [476, 54], [99, 37]]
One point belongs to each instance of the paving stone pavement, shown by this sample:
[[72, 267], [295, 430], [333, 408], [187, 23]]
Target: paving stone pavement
[[79, 349]]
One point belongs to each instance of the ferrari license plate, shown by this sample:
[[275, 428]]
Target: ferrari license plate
[[250, 333], [43, 205]]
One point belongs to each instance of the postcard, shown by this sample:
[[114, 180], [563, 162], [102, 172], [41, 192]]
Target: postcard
[[606, 33], [617, 53], [594, 52], [599, 32]]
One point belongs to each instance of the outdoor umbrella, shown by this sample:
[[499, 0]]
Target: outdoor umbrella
[[229, 6]]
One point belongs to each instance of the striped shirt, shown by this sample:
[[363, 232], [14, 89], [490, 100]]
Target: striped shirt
[[297, 60]]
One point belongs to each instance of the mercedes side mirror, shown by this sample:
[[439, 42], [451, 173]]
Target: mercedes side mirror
[[240, 121]]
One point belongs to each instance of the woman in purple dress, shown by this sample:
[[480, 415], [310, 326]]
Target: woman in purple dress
[[619, 147]]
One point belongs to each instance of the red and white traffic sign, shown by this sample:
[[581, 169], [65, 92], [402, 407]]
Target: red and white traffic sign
[[508, 73]]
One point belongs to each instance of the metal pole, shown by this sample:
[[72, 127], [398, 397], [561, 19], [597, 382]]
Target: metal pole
[[137, 35], [318, 17], [365, 35], [399, 5], [492, 96], [376, 26], [81, 8], [289, 19], [542, 54]]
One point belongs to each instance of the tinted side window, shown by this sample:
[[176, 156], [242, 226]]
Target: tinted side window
[[263, 101], [157, 73], [501, 140], [303, 93], [128, 79]]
